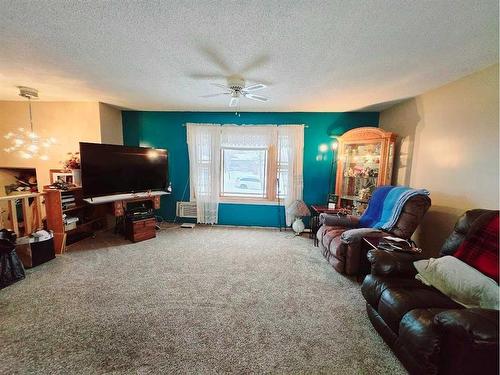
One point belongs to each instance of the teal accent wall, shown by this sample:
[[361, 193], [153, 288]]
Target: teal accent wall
[[166, 130]]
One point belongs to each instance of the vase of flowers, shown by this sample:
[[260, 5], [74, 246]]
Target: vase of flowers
[[73, 164]]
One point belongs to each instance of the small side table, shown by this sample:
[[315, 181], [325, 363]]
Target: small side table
[[372, 243], [315, 211], [368, 243]]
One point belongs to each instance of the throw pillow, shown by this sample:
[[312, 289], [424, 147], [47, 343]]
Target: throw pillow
[[459, 281], [480, 249]]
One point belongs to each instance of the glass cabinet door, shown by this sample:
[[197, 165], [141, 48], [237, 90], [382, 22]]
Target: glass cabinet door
[[361, 169]]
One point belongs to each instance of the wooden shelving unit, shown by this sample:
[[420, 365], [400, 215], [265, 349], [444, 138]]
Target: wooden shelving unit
[[91, 218], [73, 208]]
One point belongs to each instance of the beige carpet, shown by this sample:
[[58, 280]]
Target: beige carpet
[[208, 300]]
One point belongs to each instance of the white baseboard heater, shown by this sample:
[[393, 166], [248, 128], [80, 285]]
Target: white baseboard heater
[[186, 209]]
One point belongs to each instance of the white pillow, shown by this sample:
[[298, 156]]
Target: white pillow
[[459, 281]]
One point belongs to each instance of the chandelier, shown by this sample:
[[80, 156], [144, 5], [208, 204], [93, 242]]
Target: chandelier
[[25, 142]]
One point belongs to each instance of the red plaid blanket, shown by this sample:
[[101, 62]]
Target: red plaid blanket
[[480, 248]]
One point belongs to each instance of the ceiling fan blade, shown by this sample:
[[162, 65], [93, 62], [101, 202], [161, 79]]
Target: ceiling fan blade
[[257, 86], [258, 79], [258, 62], [212, 95], [256, 97], [219, 85], [233, 102], [215, 57], [212, 77]]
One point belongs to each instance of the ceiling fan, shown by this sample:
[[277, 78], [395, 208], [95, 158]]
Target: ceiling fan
[[235, 88]]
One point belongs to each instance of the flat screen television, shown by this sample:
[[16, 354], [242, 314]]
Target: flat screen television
[[114, 169]]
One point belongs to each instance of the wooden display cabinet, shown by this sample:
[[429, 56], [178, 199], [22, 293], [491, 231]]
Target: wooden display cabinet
[[365, 161]]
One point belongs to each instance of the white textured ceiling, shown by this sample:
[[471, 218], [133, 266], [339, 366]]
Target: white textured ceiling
[[314, 55]]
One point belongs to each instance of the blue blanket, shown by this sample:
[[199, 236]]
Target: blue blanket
[[386, 205], [374, 210]]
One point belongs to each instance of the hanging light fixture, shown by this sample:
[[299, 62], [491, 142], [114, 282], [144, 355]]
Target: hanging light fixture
[[25, 142]]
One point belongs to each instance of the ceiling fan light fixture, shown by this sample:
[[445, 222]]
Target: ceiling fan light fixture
[[234, 101], [28, 92], [236, 88]]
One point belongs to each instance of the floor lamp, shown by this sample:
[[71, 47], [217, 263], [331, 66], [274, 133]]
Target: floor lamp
[[333, 171]]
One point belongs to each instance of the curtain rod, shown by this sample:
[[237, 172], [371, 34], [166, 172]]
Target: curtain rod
[[305, 126]]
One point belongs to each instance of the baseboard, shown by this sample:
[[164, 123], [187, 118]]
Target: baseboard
[[247, 226]]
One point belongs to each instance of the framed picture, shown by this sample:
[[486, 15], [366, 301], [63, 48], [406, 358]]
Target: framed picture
[[332, 200], [60, 175]]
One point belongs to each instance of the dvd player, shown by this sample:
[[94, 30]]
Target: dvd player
[[139, 214]]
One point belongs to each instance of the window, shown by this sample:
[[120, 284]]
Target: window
[[245, 172], [252, 164], [245, 164], [255, 164]]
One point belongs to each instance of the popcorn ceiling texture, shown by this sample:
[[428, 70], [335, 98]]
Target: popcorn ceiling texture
[[316, 55], [208, 300]]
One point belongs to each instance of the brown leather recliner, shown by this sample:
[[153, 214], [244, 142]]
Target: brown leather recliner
[[429, 332], [343, 252]]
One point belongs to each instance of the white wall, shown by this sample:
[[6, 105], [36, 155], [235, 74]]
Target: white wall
[[449, 143], [69, 122], [111, 124]]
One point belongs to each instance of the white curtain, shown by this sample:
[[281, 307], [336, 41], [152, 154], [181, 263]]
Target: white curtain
[[204, 169], [291, 154], [249, 136]]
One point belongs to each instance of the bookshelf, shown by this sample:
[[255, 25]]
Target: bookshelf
[[71, 218]]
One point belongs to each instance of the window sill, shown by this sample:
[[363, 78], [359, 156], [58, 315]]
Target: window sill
[[255, 202]]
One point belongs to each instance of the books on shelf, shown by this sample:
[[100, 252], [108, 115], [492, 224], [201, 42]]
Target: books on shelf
[[69, 222], [71, 219], [68, 200]]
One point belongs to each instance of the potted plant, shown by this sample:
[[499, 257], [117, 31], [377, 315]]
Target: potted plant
[[73, 164]]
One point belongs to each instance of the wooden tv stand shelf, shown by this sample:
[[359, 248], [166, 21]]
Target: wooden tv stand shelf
[[119, 201], [70, 203], [119, 207], [91, 214]]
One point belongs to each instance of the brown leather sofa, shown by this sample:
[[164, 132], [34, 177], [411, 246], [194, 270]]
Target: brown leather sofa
[[343, 252], [430, 333]]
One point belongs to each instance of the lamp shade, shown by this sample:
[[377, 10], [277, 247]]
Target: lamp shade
[[298, 209]]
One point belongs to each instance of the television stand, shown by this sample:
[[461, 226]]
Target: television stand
[[134, 229], [125, 197], [120, 201]]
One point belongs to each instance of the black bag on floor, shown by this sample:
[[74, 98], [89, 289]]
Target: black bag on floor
[[11, 268]]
